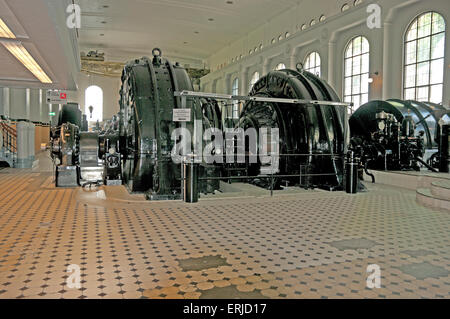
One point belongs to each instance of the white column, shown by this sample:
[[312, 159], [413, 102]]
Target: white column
[[244, 85], [387, 76], [28, 104], [18, 104], [40, 105], [6, 102], [35, 108], [331, 63], [266, 66]]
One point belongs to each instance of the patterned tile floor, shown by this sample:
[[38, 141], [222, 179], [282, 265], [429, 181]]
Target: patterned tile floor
[[306, 245]]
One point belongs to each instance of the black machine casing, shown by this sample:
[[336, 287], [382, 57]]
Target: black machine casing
[[146, 124], [398, 135], [313, 138]]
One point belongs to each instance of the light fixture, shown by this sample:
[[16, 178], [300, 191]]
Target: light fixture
[[371, 75], [21, 54], [5, 32]]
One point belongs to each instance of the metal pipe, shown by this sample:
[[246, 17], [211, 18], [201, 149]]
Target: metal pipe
[[256, 99], [261, 177], [444, 149], [426, 165]]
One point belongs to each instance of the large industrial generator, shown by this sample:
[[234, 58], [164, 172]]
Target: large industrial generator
[[401, 135]]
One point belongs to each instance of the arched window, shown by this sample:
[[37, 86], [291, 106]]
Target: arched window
[[356, 74], [255, 78], [235, 91], [424, 58], [94, 98], [280, 66], [312, 63]]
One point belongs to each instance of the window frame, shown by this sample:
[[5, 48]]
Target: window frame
[[353, 75], [315, 63], [251, 79], [86, 106], [235, 104], [429, 60], [277, 67]]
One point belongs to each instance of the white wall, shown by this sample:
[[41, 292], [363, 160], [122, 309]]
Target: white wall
[[24, 104], [329, 38]]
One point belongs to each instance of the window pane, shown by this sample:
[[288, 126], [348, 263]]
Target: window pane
[[365, 83], [317, 71], [348, 99], [365, 63], [307, 63], [424, 25], [317, 58], [357, 65], [348, 86], [411, 52], [423, 49], [364, 98], [348, 67], [356, 85], [422, 94], [437, 71], [438, 23], [423, 73], [412, 32], [313, 59], [410, 76], [436, 93], [438, 46], [94, 98], [365, 45], [410, 94], [357, 46], [356, 101], [235, 89], [349, 51]]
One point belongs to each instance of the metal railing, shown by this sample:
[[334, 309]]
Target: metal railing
[[302, 176], [184, 95], [9, 149]]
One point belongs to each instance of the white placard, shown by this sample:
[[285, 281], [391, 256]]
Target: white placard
[[181, 115], [56, 97]]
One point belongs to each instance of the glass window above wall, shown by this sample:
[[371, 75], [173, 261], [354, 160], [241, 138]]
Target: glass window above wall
[[356, 71], [235, 105], [423, 73], [312, 63], [254, 79], [94, 102], [280, 66]]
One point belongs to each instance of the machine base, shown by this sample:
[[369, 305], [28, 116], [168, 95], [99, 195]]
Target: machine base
[[113, 182], [67, 176], [162, 197]]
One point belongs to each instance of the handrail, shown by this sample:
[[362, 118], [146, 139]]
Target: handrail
[[9, 129], [9, 137], [192, 94]]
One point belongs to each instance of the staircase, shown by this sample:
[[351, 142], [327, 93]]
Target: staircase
[[432, 189], [437, 196], [8, 144]]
